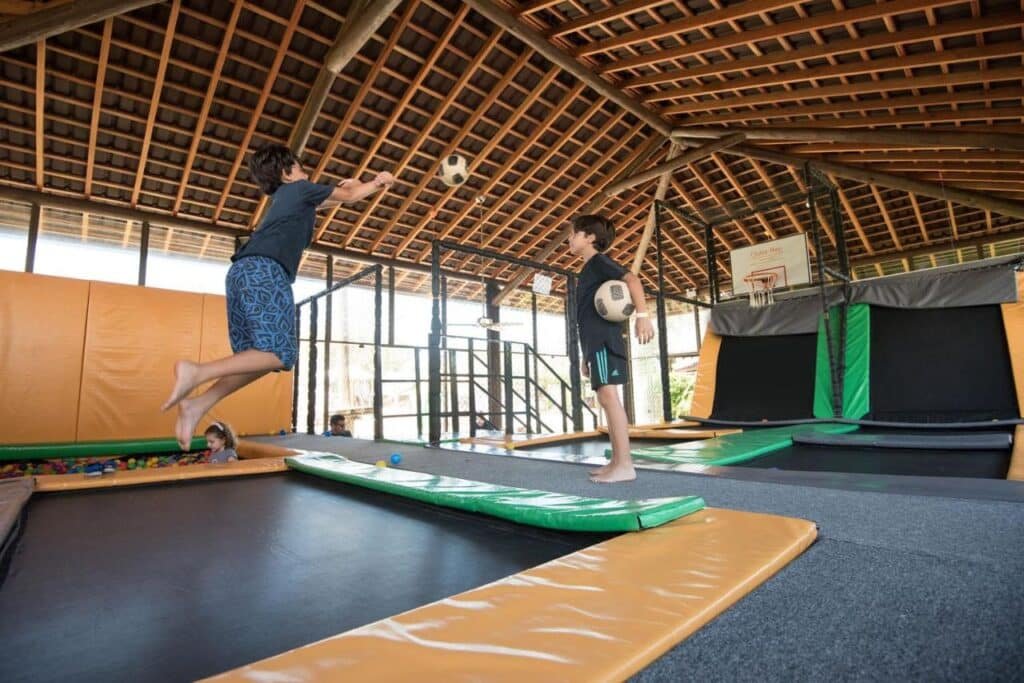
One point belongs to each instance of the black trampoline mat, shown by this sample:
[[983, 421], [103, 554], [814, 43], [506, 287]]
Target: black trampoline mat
[[916, 462], [177, 582]]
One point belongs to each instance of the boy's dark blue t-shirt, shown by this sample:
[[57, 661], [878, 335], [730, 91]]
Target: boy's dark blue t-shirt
[[595, 331], [287, 229]]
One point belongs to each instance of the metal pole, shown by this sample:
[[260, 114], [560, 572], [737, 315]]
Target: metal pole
[[526, 390], [328, 328], [143, 253], [33, 238], [472, 389], [712, 263], [311, 388], [434, 352], [391, 305], [666, 393], [419, 392], [822, 288], [536, 351], [378, 373], [574, 354], [506, 349], [453, 384]]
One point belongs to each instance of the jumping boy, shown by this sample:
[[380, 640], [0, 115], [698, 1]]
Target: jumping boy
[[604, 354], [261, 309]]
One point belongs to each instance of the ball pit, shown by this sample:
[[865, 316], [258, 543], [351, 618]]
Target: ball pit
[[82, 466]]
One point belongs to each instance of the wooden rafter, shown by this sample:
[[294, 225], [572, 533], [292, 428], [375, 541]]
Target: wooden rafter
[[154, 105], [279, 56], [97, 103], [204, 112], [61, 18], [40, 112]]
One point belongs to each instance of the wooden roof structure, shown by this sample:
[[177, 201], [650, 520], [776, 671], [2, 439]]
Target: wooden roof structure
[[136, 109]]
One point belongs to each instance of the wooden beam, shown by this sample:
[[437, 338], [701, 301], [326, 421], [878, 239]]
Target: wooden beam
[[97, 104], [268, 86], [154, 105], [938, 247], [865, 66], [675, 28], [630, 166], [677, 163], [40, 113], [882, 39], [909, 138], [1012, 74], [61, 19], [652, 215], [364, 19], [776, 31], [509, 23], [204, 112], [871, 177]]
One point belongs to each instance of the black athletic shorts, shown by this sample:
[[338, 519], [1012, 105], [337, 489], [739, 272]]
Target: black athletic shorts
[[607, 367]]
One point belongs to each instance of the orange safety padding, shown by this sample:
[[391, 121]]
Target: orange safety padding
[[1016, 471], [159, 475], [42, 334], [677, 424], [263, 407], [553, 439], [600, 614], [133, 337], [707, 371], [253, 449], [1013, 324]]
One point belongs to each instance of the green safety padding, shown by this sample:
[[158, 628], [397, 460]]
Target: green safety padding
[[856, 361], [733, 448], [536, 508], [856, 381], [95, 449], [822, 373]]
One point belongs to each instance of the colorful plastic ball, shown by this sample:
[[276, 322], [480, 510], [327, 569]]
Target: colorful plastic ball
[[396, 458], [281, 433], [381, 463]]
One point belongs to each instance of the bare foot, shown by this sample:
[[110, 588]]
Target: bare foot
[[184, 382], [189, 415], [615, 475], [600, 470]]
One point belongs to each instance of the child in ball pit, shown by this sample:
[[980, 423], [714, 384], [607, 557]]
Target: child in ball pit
[[220, 439]]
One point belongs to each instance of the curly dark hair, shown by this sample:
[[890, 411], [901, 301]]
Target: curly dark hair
[[268, 164], [222, 430], [598, 226]]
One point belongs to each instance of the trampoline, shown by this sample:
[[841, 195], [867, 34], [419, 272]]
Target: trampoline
[[185, 580]]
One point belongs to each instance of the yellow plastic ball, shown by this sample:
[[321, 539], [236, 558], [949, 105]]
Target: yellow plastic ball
[[381, 463]]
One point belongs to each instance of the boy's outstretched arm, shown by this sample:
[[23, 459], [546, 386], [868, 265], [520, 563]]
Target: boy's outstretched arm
[[644, 327], [351, 190]]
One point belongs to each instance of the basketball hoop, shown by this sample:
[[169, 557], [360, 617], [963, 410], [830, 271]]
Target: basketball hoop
[[762, 289]]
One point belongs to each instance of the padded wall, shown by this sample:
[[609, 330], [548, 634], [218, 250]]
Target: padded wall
[[263, 407], [92, 361], [42, 332], [766, 378], [940, 365], [133, 338], [707, 368]]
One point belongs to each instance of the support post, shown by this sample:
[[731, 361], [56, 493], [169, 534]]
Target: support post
[[666, 393], [574, 354], [506, 349], [453, 386], [434, 350], [378, 373], [328, 328], [391, 305], [143, 253], [311, 387], [472, 389], [33, 238], [493, 357]]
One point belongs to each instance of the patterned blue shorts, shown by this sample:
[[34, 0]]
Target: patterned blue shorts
[[261, 309]]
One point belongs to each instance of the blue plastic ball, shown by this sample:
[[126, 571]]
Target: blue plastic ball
[[281, 433], [396, 458]]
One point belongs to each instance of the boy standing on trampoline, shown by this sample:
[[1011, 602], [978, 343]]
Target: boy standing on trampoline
[[261, 309], [604, 354]]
